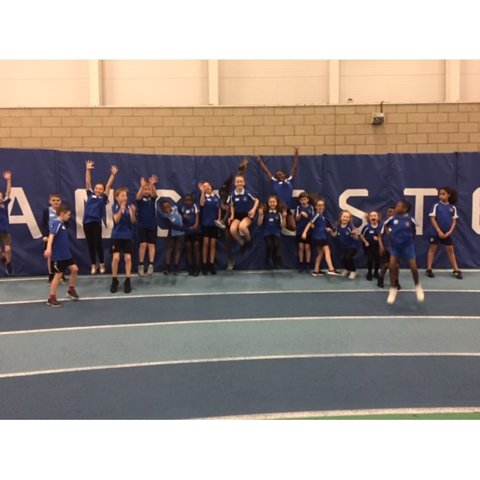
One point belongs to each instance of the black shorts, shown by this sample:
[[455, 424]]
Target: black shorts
[[210, 231], [240, 216], [195, 237], [121, 245], [59, 266], [299, 238], [319, 242], [435, 240], [147, 235]]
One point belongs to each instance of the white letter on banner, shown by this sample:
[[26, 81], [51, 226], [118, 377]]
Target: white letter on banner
[[419, 193], [353, 192], [162, 232], [80, 199], [27, 215], [476, 211]]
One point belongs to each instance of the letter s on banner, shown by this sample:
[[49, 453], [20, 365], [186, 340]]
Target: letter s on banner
[[353, 192], [27, 215], [476, 211]]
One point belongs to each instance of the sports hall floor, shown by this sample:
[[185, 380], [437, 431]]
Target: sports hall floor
[[239, 344]]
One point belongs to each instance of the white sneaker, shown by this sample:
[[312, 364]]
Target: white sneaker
[[352, 276], [102, 268], [419, 293], [141, 270], [333, 272], [93, 270], [230, 265], [344, 273], [150, 269], [392, 295]]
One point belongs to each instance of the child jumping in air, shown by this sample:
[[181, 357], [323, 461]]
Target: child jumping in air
[[176, 236], [210, 212], [347, 238], [444, 220], [122, 238], [369, 236], [58, 250], [5, 236], [97, 198], [283, 186], [320, 227], [403, 230], [146, 223], [303, 214], [384, 246], [191, 221], [273, 220]]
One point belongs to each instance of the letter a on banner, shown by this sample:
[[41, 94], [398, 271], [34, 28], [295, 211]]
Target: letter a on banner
[[27, 215]]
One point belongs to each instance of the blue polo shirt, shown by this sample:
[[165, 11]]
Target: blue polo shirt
[[402, 228], [303, 222], [60, 245], [122, 230], [146, 215], [371, 233], [176, 219], [283, 190], [210, 210], [94, 208], [444, 214], [272, 223], [345, 238], [243, 201], [320, 224], [4, 222]]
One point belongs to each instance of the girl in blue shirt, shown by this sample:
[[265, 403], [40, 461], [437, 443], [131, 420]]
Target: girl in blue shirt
[[346, 237], [210, 218], [273, 219], [369, 236]]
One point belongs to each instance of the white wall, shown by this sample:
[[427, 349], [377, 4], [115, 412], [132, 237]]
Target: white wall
[[470, 80], [155, 82], [43, 83]]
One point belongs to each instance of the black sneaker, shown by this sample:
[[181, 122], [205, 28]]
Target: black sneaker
[[212, 269], [398, 286], [369, 276], [204, 269], [191, 271], [380, 282], [196, 272], [73, 294], [457, 274], [243, 248], [114, 286], [53, 302], [375, 274], [175, 270], [429, 273], [127, 287]]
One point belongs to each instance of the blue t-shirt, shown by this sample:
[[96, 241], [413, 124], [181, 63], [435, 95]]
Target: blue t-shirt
[[122, 230], [303, 222], [176, 219], [402, 228], [272, 223], [94, 208], [320, 225], [60, 245], [189, 217], [345, 237], [283, 190], [146, 215], [444, 214], [4, 222], [371, 233], [210, 210], [242, 202]]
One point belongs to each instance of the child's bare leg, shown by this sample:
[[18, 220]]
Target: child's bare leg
[[431, 255], [178, 249], [234, 230], [328, 257], [8, 253], [308, 253], [243, 229], [301, 251], [55, 282], [72, 281], [318, 260], [189, 248], [414, 269], [205, 249], [151, 252], [141, 252], [128, 264], [213, 250], [451, 256], [115, 262], [393, 268]]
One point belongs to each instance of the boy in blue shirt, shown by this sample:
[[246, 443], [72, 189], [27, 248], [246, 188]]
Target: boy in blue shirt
[[5, 237], [402, 229], [58, 250], [191, 221]]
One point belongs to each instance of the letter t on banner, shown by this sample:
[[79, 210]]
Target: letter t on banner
[[419, 193]]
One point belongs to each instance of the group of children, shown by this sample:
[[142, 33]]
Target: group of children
[[196, 229]]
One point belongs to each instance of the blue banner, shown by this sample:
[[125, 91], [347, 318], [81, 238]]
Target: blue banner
[[358, 183]]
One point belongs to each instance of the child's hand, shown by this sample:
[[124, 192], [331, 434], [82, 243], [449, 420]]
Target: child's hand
[[295, 152], [304, 236], [259, 158], [304, 214], [133, 208], [89, 164], [284, 214], [230, 220], [142, 181], [260, 211], [7, 175], [251, 213], [113, 169], [153, 179], [200, 186], [47, 253], [367, 244]]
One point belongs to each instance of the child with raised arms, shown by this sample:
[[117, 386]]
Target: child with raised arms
[[210, 214], [146, 223], [122, 238], [347, 239], [58, 251], [283, 186], [176, 236], [369, 236], [97, 198], [5, 236], [303, 214], [444, 217], [403, 231], [320, 228], [272, 218], [191, 221]]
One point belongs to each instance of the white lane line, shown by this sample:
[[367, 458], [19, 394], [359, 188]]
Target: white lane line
[[237, 359], [241, 320], [347, 413], [213, 294]]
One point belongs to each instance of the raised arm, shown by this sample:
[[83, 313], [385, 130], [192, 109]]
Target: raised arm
[[111, 178], [138, 196], [296, 160], [153, 180], [133, 209], [7, 175], [89, 166], [202, 194], [252, 212], [260, 216], [264, 167]]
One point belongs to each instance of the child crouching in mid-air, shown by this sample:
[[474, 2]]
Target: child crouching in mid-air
[[58, 250]]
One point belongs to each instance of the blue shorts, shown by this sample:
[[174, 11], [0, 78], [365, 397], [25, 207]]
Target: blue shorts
[[403, 250]]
